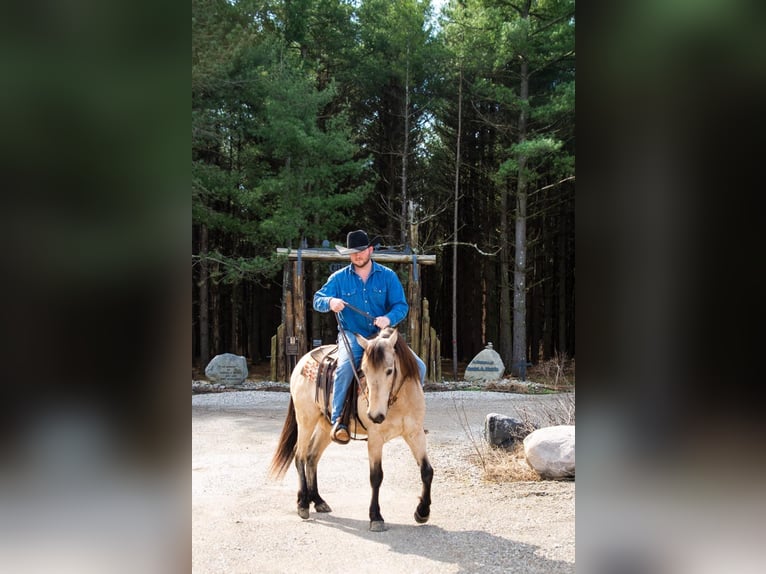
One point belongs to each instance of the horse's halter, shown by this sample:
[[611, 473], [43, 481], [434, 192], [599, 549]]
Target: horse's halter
[[392, 396]]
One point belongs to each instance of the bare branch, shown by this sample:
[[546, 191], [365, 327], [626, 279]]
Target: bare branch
[[431, 215], [570, 178], [476, 247]]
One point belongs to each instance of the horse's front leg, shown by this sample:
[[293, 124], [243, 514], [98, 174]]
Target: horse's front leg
[[423, 511], [417, 444], [375, 455]]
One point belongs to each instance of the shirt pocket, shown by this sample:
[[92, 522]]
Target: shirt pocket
[[378, 297], [348, 293]]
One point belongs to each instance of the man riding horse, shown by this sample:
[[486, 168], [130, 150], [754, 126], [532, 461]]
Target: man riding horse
[[377, 298]]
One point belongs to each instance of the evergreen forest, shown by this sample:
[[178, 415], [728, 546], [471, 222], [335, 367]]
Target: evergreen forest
[[445, 128]]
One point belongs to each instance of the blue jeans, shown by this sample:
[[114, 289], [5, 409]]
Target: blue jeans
[[344, 372]]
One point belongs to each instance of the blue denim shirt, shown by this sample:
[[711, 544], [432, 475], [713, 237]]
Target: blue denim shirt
[[381, 295]]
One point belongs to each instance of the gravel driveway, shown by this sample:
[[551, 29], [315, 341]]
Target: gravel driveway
[[243, 522]]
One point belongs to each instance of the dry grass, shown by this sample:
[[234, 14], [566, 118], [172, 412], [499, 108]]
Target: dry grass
[[561, 411], [504, 465], [509, 464], [509, 386], [557, 373]]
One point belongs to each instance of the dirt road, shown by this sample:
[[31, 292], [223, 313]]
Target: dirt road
[[243, 522]]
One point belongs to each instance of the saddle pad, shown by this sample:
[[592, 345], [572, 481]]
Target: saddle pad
[[310, 369]]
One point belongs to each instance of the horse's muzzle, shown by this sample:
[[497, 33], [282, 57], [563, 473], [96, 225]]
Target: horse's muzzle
[[378, 418]]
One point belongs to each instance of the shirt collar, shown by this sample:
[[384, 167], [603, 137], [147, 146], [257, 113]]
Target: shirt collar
[[350, 268]]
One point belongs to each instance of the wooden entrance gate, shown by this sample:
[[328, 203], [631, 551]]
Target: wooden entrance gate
[[291, 340]]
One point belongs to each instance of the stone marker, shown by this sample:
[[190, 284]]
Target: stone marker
[[486, 365], [227, 369], [551, 451]]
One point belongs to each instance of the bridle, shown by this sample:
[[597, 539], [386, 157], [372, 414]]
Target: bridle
[[394, 394]]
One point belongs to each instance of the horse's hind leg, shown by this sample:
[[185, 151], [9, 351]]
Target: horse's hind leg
[[319, 442], [417, 444], [303, 499], [303, 466]]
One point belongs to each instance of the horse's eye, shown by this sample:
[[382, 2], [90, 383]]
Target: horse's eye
[[388, 372]]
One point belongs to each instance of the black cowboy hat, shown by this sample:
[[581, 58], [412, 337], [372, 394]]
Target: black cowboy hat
[[356, 241]]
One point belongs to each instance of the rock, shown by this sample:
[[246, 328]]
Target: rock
[[486, 365], [227, 369], [551, 451], [504, 431]]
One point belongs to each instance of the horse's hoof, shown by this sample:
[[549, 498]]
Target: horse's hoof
[[322, 507], [377, 526], [421, 519], [303, 513]]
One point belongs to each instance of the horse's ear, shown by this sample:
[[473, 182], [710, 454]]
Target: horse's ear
[[362, 341], [393, 336]]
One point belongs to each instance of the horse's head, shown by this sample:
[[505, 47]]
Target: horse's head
[[381, 369]]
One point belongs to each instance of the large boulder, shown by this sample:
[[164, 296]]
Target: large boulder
[[551, 451], [504, 431]]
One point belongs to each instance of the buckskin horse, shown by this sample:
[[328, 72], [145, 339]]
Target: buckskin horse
[[390, 403]]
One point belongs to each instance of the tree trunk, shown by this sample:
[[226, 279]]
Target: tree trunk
[[455, 222], [254, 333], [562, 281], [535, 304], [234, 344], [405, 149], [414, 286], [548, 273], [215, 311], [519, 364], [504, 347], [483, 310], [204, 317]]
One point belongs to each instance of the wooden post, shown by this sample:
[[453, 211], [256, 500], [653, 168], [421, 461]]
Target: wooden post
[[281, 362], [289, 315], [299, 306], [287, 332], [413, 296], [286, 288], [425, 340], [274, 358]]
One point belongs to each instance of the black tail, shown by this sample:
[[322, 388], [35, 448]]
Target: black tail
[[286, 447]]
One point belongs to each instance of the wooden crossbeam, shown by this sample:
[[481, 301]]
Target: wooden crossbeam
[[314, 254]]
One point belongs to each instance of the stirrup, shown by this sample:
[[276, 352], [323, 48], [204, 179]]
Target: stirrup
[[340, 433]]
